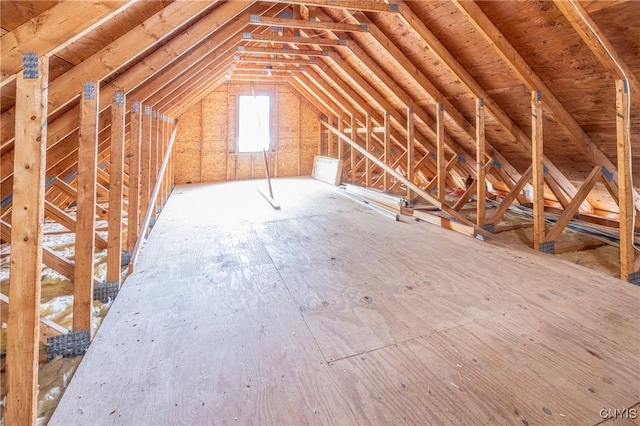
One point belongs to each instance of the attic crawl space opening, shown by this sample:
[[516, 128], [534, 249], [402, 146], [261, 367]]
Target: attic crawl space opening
[[253, 122]]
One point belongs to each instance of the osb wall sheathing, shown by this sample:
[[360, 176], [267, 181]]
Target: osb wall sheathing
[[206, 146]]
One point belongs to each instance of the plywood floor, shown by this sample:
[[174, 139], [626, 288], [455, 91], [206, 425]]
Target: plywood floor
[[329, 313]]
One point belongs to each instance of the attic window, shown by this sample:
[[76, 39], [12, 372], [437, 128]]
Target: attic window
[[253, 123]]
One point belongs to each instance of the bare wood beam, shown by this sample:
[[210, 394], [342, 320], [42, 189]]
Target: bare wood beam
[[315, 41], [510, 198], [387, 149], [368, 148], [625, 197], [572, 208], [601, 47], [481, 150], [442, 174], [49, 257], [86, 214], [23, 331], [116, 172], [54, 29], [411, 151], [284, 50], [312, 24], [69, 222], [537, 168], [438, 49], [517, 63], [366, 6], [399, 177]]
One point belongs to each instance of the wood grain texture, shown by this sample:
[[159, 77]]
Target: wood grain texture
[[86, 212], [326, 312], [26, 250]]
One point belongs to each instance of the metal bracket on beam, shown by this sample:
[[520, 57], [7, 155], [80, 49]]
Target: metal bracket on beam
[[68, 345], [461, 159], [255, 18], [71, 176], [136, 106], [106, 291], [246, 35], [497, 164], [7, 201], [548, 247], [545, 170], [126, 258], [607, 174], [89, 90], [489, 227], [30, 68], [393, 7], [634, 278]]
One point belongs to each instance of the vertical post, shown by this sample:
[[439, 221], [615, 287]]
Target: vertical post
[[481, 146], [625, 197], [116, 171], [133, 216], [410, 149], [340, 143], [354, 137], [441, 163], [145, 161], [330, 139], [23, 331], [537, 167], [368, 147], [86, 210], [387, 150]]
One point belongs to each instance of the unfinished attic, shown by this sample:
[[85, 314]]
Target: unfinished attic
[[320, 212]]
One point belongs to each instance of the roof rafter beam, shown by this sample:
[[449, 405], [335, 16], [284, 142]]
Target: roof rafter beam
[[585, 26], [319, 41], [311, 24], [53, 30], [517, 63], [366, 6], [281, 51], [441, 52]]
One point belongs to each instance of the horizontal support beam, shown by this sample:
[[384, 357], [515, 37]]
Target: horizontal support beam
[[310, 24]]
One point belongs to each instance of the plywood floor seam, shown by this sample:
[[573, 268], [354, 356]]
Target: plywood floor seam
[[327, 312]]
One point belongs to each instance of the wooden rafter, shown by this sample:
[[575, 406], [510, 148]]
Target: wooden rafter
[[595, 39], [517, 63], [53, 30], [478, 91]]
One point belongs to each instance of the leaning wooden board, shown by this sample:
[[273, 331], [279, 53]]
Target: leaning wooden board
[[327, 169]]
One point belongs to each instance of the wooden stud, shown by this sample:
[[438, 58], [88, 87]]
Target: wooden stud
[[368, 148], [537, 169], [145, 160], [116, 171], [411, 151], [23, 331], [481, 147], [133, 214], [401, 178], [625, 197], [442, 174], [523, 70], [387, 149], [352, 151], [86, 211]]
